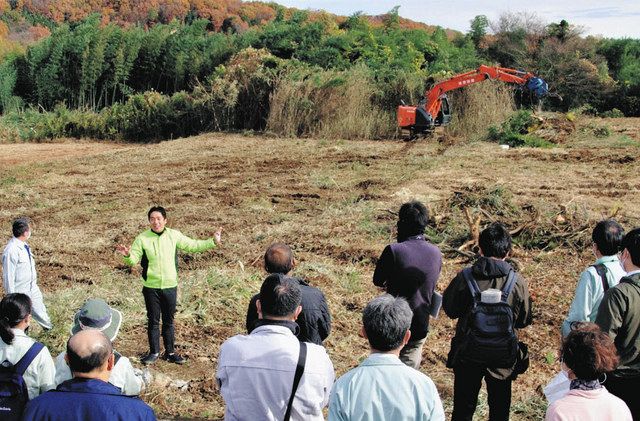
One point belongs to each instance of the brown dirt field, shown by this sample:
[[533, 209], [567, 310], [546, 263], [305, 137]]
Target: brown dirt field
[[331, 200], [17, 154]]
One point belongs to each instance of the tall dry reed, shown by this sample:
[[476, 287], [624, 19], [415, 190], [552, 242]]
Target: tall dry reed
[[328, 104], [479, 106]]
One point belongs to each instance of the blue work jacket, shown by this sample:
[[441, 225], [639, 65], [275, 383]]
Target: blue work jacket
[[87, 400]]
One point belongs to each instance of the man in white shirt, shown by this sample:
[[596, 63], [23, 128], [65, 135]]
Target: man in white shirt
[[256, 371], [19, 271], [96, 314]]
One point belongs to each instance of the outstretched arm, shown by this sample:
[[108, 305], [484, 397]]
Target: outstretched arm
[[194, 246]]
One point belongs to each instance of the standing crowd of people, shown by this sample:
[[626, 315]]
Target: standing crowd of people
[[280, 370]]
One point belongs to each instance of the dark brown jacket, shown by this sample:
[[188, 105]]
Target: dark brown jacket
[[457, 302], [619, 317]]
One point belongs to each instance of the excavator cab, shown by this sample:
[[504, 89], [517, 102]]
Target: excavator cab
[[444, 116]]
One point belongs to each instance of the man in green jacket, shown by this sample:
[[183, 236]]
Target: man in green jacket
[[619, 317], [157, 251]]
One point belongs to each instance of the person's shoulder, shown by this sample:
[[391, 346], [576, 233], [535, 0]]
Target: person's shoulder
[[235, 343], [144, 234], [60, 357], [11, 246], [417, 377], [346, 379], [521, 280], [310, 290], [127, 403], [172, 231], [624, 288], [317, 353], [429, 245], [123, 362]]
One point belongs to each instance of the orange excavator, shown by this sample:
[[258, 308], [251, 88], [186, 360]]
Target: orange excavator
[[433, 110]]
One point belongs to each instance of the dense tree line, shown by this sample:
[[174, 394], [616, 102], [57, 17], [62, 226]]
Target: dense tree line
[[91, 62]]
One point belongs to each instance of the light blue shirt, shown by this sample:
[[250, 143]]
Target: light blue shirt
[[383, 388], [589, 292]]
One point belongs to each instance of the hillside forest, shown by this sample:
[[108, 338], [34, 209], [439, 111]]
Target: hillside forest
[[161, 69]]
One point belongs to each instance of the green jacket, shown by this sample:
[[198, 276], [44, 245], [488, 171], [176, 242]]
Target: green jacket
[[158, 255], [619, 317]]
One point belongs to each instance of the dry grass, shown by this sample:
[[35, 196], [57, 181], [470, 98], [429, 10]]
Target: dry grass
[[479, 106], [328, 105], [331, 200]]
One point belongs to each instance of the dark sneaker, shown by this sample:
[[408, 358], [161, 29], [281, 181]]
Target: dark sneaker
[[149, 359], [174, 358]]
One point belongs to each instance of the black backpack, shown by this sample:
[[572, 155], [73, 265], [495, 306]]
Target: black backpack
[[13, 389], [490, 340]]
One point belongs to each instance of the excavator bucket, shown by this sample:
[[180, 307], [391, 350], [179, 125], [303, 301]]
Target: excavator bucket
[[538, 86]]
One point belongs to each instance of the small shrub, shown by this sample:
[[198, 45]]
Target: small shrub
[[601, 131], [613, 113], [586, 109], [518, 130]]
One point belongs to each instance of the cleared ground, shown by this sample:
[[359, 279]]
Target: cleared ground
[[332, 201]]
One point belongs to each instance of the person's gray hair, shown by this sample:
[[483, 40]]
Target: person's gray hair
[[386, 320]]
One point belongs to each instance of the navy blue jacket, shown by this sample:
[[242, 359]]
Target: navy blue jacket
[[87, 400], [314, 320], [411, 269]]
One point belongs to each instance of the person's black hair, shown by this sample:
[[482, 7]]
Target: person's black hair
[[413, 218], [278, 258], [100, 352], [160, 209], [386, 320], [20, 226], [13, 309], [279, 296], [607, 236], [495, 241], [631, 242]]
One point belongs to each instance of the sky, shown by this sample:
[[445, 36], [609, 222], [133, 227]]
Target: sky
[[611, 19]]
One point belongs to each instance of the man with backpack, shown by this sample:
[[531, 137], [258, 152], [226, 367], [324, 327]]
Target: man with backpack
[[485, 344], [605, 273], [619, 317]]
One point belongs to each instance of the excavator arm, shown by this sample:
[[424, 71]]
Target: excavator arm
[[424, 117]]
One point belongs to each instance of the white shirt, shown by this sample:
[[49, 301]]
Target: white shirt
[[122, 375], [18, 268], [256, 371], [40, 374]]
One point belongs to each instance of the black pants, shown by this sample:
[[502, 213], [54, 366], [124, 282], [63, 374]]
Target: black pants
[[160, 302], [627, 390], [466, 386]]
